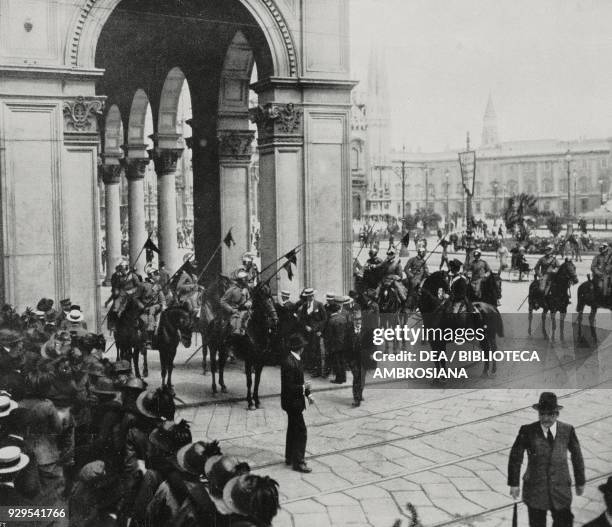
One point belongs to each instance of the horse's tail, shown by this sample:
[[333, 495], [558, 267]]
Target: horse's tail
[[499, 326]]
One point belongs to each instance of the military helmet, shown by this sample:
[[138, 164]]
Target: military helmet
[[421, 250], [603, 247], [548, 248], [477, 252], [455, 265], [373, 252], [242, 275]]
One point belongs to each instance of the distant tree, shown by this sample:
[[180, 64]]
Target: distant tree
[[520, 206], [554, 224]]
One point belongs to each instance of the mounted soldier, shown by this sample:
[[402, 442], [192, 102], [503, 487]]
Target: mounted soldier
[[547, 265], [152, 302], [598, 269], [124, 284], [372, 271], [477, 271], [469, 242], [457, 301], [250, 268], [187, 288], [392, 272], [416, 271], [236, 303]]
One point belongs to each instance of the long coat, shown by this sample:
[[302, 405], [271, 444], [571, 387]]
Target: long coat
[[292, 385], [547, 483]]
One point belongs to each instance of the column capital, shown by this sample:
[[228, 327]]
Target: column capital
[[235, 144], [136, 168], [81, 114], [278, 123], [166, 159], [111, 174]]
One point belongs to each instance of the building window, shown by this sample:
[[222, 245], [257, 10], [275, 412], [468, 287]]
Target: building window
[[354, 158], [547, 205], [547, 167], [603, 162], [477, 207], [583, 185], [547, 185], [584, 204], [530, 187], [477, 189], [432, 191], [563, 185]]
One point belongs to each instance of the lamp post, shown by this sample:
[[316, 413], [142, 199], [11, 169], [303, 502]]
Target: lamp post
[[495, 186], [467, 164], [402, 175], [601, 191], [447, 173], [568, 160]]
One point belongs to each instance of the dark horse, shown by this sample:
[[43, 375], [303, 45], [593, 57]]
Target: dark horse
[[588, 295], [490, 289], [436, 314], [130, 337], [256, 344], [211, 326], [391, 306], [175, 326], [556, 300]]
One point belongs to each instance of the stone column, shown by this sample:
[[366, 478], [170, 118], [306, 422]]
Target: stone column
[[135, 172], [165, 160], [234, 160], [111, 175]]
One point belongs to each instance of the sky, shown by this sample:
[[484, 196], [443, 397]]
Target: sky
[[546, 63]]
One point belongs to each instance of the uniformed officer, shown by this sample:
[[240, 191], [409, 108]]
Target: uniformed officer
[[124, 283], [478, 270], [392, 271], [458, 296], [151, 301], [416, 271], [470, 245], [187, 288], [236, 302], [598, 268], [250, 267], [372, 274], [547, 265]]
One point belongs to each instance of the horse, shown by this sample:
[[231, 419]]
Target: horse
[[255, 345], [212, 329], [129, 337], [175, 326], [490, 289], [556, 300], [589, 295], [436, 315], [391, 306]]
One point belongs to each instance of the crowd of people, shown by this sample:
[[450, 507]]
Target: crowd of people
[[84, 439]]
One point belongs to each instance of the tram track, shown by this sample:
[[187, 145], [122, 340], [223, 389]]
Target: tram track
[[434, 466]]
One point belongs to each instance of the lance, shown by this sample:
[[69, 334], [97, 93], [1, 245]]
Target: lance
[[193, 354], [295, 249], [267, 281]]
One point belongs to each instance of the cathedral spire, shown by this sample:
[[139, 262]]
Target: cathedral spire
[[490, 136]]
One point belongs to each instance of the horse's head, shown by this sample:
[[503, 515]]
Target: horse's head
[[429, 299], [567, 271], [263, 304]]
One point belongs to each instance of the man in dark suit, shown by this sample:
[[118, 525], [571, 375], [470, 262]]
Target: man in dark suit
[[547, 483], [605, 519], [286, 317], [312, 318], [293, 393]]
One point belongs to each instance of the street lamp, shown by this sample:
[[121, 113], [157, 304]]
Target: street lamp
[[601, 191], [402, 175], [467, 163], [447, 173], [568, 160], [495, 186]]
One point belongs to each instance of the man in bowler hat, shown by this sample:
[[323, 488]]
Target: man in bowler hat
[[605, 519], [293, 394], [547, 482]]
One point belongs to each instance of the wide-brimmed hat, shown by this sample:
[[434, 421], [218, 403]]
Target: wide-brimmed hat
[[75, 315], [170, 436], [606, 488], [547, 403], [122, 366], [9, 337], [44, 304], [296, 341], [152, 404], [65, 303], [193, 458], [7, 405], [307, 291], [236, 495], [12, 460], [104, 386], [220, 469], [329, 297]]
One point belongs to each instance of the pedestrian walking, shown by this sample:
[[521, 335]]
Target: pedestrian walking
[[547, 485]]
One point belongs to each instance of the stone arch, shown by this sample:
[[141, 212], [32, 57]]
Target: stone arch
[[113, 132], [236, 76], [167, 123], [91, 15], [136, 133]]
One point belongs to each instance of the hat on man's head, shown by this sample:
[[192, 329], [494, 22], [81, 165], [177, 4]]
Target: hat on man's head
[[134, 383], [104, 386], [455, 265], [9, 337], [307, 291], [156, 404], [284, 293], [548, 248], [606, 488], [44, 304], [220, 469], [75, 315], [547, 403], [477, 253], [170, 436], [7, 405], [122, 366], [12, 460], [193, 458], [296, 342], [65, 303], [330, 297]]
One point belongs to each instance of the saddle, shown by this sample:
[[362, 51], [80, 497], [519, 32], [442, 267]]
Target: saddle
[[238, 323]]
